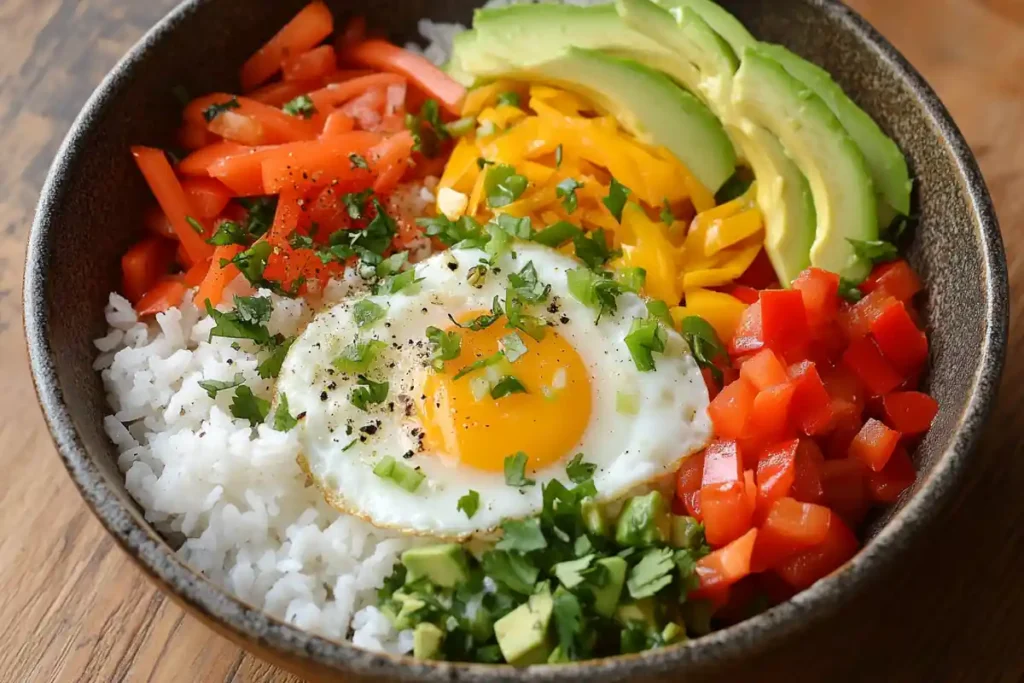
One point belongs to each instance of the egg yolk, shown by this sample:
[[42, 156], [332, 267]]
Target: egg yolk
[[462, 421]]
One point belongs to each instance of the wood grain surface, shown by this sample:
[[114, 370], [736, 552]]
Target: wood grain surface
[[73, 608]]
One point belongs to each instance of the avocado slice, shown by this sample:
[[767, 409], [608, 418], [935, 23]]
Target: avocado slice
[[606, 596], [784, 198], [766, 94], [644, 521], [885, 160], [443, 565], [593, 517], [523, 633], [718, 18], [426, 641], [638, 612]]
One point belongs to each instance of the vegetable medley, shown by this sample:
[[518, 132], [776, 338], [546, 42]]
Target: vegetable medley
[[307, 170]]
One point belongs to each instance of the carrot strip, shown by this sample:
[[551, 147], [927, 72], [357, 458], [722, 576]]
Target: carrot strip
[[207, 196], [194, 275], [143, 265], [192, 136], [218, 277], [314, 64], [353, 33], [303, 32], [277, 94], [390, 160], [243, 173], [337, 123], [199, 161], [165, 294], [167, 190], [342, 75], [380, 54], [337, 94], [305, 165], [255, 123], [286, 218]]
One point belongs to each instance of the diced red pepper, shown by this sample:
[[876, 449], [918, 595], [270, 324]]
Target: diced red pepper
[[783, 320], [769, 416], [764, 370], [856, 320], [820, 291], [807, 485], [789, 527], [877, 374], [730, 409], [900, 340], [896, 277], [910, 412], [747, 338], [165, 294], [688, 480], [810, 408], [844, 483], [806, 567], [874, 444], [776, 472], [145, 264], [896, 477], [723, 499], [727, 565], [747, 295]]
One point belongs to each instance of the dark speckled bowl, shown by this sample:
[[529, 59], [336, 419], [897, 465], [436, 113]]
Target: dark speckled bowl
[[90, 213]]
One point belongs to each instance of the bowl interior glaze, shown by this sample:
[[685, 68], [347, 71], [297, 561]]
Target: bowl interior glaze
[[91, 209]]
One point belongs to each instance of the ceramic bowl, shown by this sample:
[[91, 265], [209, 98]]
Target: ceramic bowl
[[91, 209]]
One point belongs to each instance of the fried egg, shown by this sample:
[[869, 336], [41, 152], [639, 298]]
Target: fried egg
[[580, 393]]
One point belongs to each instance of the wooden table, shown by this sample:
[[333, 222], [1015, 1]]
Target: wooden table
[[72, 607]]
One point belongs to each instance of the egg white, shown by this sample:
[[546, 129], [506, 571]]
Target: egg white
[[341, 444]]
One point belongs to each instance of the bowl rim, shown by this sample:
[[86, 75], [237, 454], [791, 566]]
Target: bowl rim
[[244, 622]]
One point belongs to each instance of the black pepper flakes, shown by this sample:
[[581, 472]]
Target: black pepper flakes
[[323, 395]]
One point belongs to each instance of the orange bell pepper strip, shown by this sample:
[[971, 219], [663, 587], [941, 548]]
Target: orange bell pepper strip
[[337, 123], [307, 165], [218, 277], [380, 54], [304, 32], [172, 199], [165, 294]]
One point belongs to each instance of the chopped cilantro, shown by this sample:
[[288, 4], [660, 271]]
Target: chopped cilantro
[[447, 346], [460, 127], [358, 161], [482, 321], [507, 385], [659, 309], [465, 229], [515, 471], [510, 98], [652, 573], [512, 570], [522, 535], [215, 110], [874, 251], [666, 215], [247, 321], [527, 286], [366, 312], [358, 356], [478, 364], [400, 473], [428, 131], [558, 156], [391, 265], [368, 393], [283, 420], [593, 290], [646, 336], [261, 214], [302, 107], [579, 471], [849, 290], [212, 386], [616, 199], [557, 234], [704, 344], [271, 365], [632, 279], [401, 281], [520, 228], [503, 185], [297, 240], [568, 616], [572, 573], [516, 319], [247, 406], [566, 191], [228, 232], [469, 503], [252, 262], [355, 203], [592, 248]]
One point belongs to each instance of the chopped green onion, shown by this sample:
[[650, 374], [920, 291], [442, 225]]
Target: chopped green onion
[[400, 473]]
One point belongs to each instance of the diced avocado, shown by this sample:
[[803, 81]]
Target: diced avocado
[[784, 198], [639, 612], [886, 162], [841, 187], [426, 641], [558, 44], [718, 18], [523, 633], [481, 624], [673, 633], [557, 656], [644, 520], [409, 605], [443, 564], [697, 616], [606, 596], [687, 532], [593, 518]]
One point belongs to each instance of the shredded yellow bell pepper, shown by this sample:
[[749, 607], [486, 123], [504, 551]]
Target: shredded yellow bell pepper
[[722, 311]]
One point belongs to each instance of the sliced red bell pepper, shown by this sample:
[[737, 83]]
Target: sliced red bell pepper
[[844, 483], [877, 374], [776, 472], [896, 477], [789, 528], [727, 565], [764, 370], [747, 338], [896, 277], [144, 265], [820, 291], [783, 320], [817, 562], [730, 409], [874, 444], [910, 412], [900, 340], [807, 486], [811, 408]]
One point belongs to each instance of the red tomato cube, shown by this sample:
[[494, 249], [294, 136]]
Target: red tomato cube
[[723, 463], [776, 472], [896, 477], [900, 340], [727, 565], [910, 412], [764, 370], [747, 338], [856, 320], [810, 408], [874, 444], [747, 295], [730, 409], [896, 277], [820, 291], [877, 374], [844, 484], [783, 320], [769, 416], [790, 526], [817, 562], [807, 466]]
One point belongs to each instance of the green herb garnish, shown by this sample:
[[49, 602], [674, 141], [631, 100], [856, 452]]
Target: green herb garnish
[[368, 393], [447, 346], [566, 191], [616, 199], [557, 234], [507, 385], [213, 386], [469, 503], [247, 406], [358, 356], [515, 471], [705, 345], [400, 473], [579, 471], [283, 420], [215, 110], [366, 312], [646, 336], [301, 107], [503, 185], [592, 248]]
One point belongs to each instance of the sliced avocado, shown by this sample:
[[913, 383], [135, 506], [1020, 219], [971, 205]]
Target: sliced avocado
[[606, 596], [523, 633], [687, 532], [409, 605], [673, 633], [697, 616], [443, 564], [844, 199], [885, 160], [426, 641], [557, 656], [784, 198], [644, 520], [639, 612], [718, 18], [593, 518]]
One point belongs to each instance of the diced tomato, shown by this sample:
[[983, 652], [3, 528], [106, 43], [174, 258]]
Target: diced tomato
[[874, 444], [723, 463], [877, 374], [747, 338], [820, 291], [723, 499], [760, 274], [750, 489], [896, 277], [807, 485], [730, 410], [769, 416], [747, 295], [844, 483], [896, 477], [165, 294], [910, 412], [764, 370], [305, 30], [145, 264], [811, 408], [857, 319], [828, 342], [688, 480], [776, 472], [789, 527], [817, 562], [899, 339], [311, 65], [727, 565], [206, 196], [783, 320], [338, 123]]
